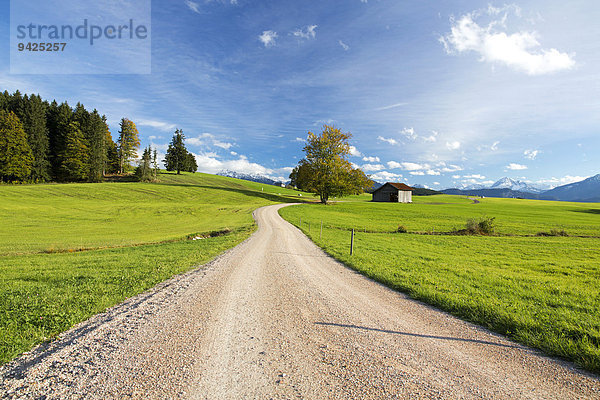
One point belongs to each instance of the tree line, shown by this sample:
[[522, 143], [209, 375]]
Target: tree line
[[43, 141]]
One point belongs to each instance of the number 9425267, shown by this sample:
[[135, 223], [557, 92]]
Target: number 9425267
[[41, 46]]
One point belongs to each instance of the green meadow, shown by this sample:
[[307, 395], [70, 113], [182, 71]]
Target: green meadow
[[540, 291], [69, 251]]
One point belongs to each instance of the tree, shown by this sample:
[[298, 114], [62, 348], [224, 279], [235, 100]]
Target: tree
[[144, 170], [74, 158], [59, 119], [16, 158], [190, 163], [96, 135], [325, 170], [111, 160], [175, 159], [35, 125], [127, 145], [155, 164]]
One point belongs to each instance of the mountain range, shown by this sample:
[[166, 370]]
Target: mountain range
[[250, 177], [587, 190]]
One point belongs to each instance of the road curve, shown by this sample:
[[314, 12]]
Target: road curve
[[277, 318]]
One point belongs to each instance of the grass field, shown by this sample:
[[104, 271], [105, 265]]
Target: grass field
[[135, 235], [540, 291]]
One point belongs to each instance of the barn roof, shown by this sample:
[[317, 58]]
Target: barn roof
[[399, 186]]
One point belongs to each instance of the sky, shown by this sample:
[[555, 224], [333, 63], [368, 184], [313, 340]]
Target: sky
[[441, 94]]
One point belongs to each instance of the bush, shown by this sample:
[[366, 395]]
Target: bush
[[483, 226], [401, 229]]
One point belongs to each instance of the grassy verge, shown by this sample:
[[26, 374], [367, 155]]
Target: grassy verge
[[135, 236], [541, 291]]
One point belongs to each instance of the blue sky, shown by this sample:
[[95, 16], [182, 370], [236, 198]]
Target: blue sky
[[444, 94]]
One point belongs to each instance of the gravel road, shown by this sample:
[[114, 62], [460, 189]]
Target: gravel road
[[276, 318]]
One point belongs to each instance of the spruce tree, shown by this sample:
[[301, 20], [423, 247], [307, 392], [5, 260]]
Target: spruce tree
[[59, 119], [144, 169], [96, 137], [16, 159], [155, 163], [127, 145], [34, 123], [190, 163], [74, 159], [176, 153]]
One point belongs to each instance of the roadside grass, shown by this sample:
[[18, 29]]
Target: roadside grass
[[135, 235], [540, 291]]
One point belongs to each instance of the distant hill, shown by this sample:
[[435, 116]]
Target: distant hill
[[587, 190], [501, 193], [250, 177]]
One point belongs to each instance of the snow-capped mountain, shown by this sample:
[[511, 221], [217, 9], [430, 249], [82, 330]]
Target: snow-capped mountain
[[586, 190], [250, 177], [519, 186]]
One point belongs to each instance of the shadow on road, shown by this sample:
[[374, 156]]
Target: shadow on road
[[419, 335]]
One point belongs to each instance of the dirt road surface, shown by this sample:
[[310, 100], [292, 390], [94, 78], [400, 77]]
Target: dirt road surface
[[276, 318]]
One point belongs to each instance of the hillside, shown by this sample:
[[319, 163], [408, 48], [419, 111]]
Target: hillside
[[69, 251]]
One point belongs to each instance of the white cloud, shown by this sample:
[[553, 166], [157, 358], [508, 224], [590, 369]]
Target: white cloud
[[454, 145], [299, 139], [371, 159], [268, 38], [531, 154], [354, 152], [387, 140], [455, 176], [390, 106], [516, 167], [408, 166], [211, 163], [160, 125], [494, 146], [419, 173], [344, 45], [474, 176], [553, 182], [451, 168], [223, 145], [431, 138], [432, 172], [519, 50], [192, 5], [372, 167], [409, 133], [385, 176], [436, 183], [308, 32]]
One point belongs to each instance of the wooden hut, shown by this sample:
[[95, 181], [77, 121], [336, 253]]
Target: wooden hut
[[393, 192]]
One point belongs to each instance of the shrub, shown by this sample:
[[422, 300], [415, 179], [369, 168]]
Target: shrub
[[401, 229], [483, 226], [553, 232]]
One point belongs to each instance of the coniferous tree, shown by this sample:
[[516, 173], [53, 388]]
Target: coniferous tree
[[74, 159], [144, 169], [176, 156], [96, 138], [190, 163], [59, 120], [16, 159], [35, 125], [128, 143], [155, 163], [4, 100]]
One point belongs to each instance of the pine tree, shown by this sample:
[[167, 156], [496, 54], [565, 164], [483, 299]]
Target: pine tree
[[190, 163], [16, 159], [144, 169], [4, 100], [127, 145], [34, 123], [59, 119], [176, 153], [74, 159], [155, 163], [96, 138]]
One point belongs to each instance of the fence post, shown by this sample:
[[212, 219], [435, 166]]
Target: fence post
[[321, 234], [352, 242]]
